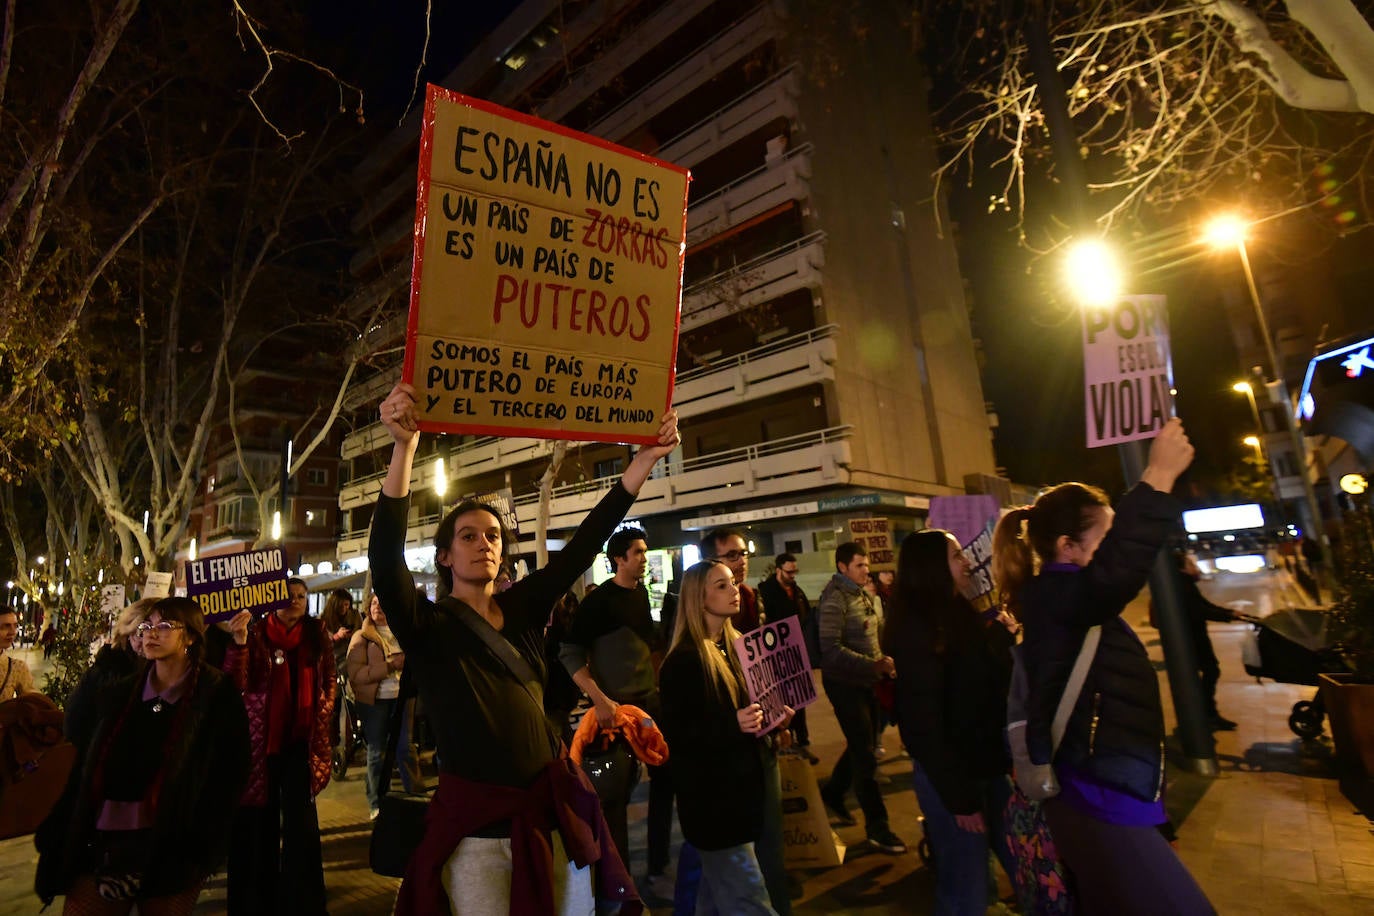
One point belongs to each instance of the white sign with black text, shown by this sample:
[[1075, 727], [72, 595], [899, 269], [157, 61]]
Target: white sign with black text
[[1128, 375]]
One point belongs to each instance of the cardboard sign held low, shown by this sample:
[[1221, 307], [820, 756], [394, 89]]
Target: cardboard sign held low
[[808, 841]]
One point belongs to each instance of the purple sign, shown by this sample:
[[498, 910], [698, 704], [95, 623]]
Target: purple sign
[[777, 670], [963, 516], [971, 519], [253, 581]]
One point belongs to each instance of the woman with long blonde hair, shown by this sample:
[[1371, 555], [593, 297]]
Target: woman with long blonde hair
[[721, 762]]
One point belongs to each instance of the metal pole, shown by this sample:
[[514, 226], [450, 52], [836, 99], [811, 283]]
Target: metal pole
[[1180, 658], [1313, 510]]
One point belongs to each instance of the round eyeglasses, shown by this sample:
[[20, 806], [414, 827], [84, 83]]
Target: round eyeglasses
[[162, 627]]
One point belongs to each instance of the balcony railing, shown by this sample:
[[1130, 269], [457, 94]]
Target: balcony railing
[[726, 49], [783, 180], [775, 273], [803, 462], [769, 101]]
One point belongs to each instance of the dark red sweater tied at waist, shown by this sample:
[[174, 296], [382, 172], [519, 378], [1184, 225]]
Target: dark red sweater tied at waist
[[561, 799]]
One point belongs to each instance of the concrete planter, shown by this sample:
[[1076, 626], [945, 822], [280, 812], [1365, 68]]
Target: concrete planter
[[1350, 706]]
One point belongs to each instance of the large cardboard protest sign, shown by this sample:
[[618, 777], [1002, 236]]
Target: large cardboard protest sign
[[547, 278], [972, 520], [253, 581], [1128, 370], [875, 536], [777, 669]]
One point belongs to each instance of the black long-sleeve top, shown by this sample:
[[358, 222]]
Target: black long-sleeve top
[[486, 726]]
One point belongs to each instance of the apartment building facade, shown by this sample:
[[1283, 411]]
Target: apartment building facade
[[826, 366]]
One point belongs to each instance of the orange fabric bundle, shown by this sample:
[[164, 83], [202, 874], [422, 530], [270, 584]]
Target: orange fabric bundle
[[634, 724]]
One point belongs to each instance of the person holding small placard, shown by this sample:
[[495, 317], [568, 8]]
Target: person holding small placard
[[721, 763]]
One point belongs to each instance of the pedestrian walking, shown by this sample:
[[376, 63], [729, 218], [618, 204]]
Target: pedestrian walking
[[723, 770], [49, 641], [284, 665], [145, 818], [495, 841], [1109, 765], [953, 671], [373, 668], [852, 663]]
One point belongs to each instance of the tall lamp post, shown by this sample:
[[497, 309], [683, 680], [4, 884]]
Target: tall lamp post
[[1229, 231]]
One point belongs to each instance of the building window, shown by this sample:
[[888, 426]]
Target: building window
[[609, 468], [316, 518], [317, 477]]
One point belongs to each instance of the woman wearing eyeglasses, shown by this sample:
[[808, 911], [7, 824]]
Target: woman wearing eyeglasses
[[145, 818], [284, 665]]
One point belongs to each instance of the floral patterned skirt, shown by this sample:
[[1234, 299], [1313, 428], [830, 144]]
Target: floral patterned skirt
[[1041, 879]]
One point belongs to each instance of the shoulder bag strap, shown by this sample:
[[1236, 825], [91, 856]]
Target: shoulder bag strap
[[1074, 687], [498, 644]]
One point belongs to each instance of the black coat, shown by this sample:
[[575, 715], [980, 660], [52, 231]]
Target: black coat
[[951, 707], [1115, 735], [717, 769], [206, 768]]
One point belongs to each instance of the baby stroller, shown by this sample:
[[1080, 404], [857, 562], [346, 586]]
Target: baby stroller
[[348, 728], [1291, 647]]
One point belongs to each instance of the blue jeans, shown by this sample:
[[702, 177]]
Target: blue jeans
[[961, 857], [731, 883], [376, 717]]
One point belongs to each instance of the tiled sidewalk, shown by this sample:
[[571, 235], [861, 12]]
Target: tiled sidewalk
[[1273, 834]]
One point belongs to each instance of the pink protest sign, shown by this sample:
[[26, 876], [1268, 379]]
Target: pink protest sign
[[777, 670]]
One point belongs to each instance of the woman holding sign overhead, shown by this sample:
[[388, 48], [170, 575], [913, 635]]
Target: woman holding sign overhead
[[722, 766], [495, 840]]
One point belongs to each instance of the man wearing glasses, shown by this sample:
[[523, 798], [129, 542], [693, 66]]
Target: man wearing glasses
[[782, 597], [730, 548]]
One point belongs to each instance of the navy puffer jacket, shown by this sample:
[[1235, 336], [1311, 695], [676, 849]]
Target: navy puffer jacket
[[1115, 736]]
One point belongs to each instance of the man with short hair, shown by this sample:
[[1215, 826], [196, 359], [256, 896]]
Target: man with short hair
[[782, 597], [15, 677], [609, 652], [729, 547], [851, 664]]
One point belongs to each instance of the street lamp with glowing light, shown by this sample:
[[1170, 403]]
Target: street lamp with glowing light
[[1228, 231], [1092, 272], [440, 478]]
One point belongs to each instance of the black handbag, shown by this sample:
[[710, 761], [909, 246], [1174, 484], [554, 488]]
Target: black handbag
[[400, 823]]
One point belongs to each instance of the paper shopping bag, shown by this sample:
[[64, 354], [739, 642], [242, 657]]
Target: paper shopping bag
[[808, 841]]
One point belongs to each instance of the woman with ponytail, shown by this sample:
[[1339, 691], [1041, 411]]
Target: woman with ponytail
[[721, 763], [953, 668], [1068, 564], [145, 819]]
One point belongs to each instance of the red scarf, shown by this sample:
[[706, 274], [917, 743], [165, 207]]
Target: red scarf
[[287, 723]]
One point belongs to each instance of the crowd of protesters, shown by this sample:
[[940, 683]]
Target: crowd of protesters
[[204, 748]]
